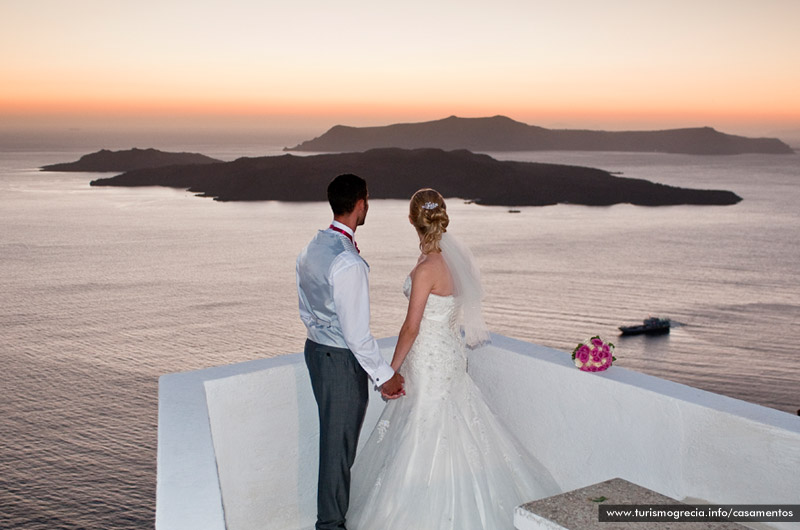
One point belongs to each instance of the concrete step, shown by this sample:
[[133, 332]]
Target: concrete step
[[578, 510]]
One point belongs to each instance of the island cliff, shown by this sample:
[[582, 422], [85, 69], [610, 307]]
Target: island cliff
[[106, 160], [500, 133], [398, 173]]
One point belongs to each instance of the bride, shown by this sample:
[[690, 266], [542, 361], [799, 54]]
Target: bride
[[438, 458]]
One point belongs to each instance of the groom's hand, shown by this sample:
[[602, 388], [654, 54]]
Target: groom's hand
[[393, 388]]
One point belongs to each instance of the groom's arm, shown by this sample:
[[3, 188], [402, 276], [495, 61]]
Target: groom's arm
[[351, 297]]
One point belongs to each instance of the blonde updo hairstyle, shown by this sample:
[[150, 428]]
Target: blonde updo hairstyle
[[428, 214]]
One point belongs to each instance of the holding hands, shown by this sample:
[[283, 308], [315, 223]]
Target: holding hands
[[393, 388]]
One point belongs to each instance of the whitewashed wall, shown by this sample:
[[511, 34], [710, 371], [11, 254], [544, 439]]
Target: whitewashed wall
[[245, 436]]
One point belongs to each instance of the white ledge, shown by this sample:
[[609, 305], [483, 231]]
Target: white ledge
[[237, 444]]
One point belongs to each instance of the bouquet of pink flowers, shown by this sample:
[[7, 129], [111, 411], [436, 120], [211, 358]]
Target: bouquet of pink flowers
[[594, 355]]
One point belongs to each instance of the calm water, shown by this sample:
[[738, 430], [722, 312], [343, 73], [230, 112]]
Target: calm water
[[105, 289]]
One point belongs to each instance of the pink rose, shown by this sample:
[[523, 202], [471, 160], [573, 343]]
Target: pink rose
[[606, 363]]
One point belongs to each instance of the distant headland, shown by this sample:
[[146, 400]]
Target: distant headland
[[500, 133], [397, 173], [106, 160]]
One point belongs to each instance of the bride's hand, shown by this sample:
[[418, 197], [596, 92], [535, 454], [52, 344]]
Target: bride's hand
[[393, 388]]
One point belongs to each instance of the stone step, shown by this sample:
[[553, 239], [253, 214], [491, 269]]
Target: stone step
[[578, 510]]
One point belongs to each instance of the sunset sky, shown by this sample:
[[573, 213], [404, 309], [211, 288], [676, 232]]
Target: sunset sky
[[614, 64]]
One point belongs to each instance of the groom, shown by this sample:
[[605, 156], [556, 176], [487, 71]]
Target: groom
[[340, 352]]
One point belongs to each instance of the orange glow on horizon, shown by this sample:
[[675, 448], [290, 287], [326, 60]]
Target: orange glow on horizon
[[580, 64], [378, 113]]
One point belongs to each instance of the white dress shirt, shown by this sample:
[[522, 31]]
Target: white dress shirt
[[349, 277]]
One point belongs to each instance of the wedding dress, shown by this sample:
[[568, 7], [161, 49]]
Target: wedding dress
[[438, 458]]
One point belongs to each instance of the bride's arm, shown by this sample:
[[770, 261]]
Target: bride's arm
[[421, 286]]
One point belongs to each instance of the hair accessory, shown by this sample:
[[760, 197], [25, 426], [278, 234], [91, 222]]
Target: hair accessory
[[430, 205]]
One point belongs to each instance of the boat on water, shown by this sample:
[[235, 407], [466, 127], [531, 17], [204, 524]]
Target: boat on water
[[652, 325]]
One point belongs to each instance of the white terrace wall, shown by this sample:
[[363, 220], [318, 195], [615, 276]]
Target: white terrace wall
[[677, 440], [237, 445]]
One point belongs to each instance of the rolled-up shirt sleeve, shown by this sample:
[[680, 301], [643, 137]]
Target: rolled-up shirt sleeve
[[351, 296]]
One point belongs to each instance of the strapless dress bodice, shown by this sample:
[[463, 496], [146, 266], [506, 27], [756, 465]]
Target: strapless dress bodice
[[438, 308]]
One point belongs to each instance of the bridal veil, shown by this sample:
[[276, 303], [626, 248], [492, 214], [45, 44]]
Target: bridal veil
[[466, 288]]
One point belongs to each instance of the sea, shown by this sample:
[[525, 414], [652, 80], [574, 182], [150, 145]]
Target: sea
[[103, 290]]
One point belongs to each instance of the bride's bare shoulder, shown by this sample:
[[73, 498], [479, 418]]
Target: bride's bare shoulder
[[428, 265], [434, 269]]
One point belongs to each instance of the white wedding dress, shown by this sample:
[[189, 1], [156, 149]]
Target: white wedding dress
[[438, 458]]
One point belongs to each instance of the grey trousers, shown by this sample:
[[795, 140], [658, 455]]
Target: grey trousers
[[341, 388]]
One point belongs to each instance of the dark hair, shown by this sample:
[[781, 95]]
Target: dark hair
[[345, 191]]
